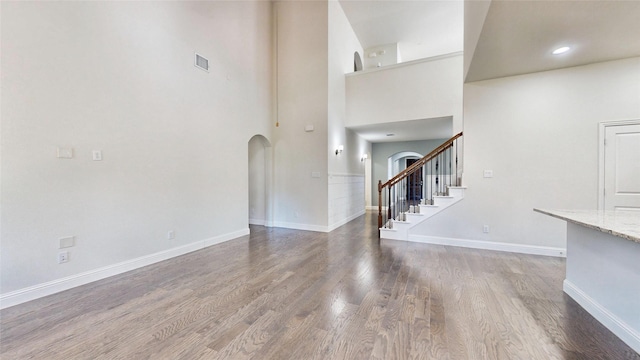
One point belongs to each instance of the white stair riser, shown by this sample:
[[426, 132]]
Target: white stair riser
[[401, 229]]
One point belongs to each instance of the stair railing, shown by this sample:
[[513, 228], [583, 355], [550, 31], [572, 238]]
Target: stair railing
[[419, 183]]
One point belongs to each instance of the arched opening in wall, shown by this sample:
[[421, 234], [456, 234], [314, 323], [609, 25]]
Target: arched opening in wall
[[398, 162], [260, 181], [357, 62]]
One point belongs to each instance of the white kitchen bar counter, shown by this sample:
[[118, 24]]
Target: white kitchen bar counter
[[603, 267]]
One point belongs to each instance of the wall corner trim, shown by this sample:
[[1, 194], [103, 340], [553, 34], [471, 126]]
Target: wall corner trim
[[41, 290]]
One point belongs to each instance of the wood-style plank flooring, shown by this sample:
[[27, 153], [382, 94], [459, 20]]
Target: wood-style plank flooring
[[287, 294]]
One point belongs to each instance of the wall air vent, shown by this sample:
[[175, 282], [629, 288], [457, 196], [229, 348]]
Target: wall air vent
[[202, 63]]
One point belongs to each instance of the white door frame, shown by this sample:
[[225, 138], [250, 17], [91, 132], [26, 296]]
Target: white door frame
[[601, 136]]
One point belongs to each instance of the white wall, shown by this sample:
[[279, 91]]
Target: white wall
[[346, 198], [119, 77], [342, 43], [259, 186], [539, 135], [475, 12], [382, 55], [315, 47], [420, 89], [346, 171], [347, 189], [300, 200]]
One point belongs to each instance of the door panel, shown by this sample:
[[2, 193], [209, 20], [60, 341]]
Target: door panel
[[414, 193], [622, 167]]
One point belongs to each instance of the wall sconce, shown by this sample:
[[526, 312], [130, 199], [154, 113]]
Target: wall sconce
[[339, 149], [364, 157]]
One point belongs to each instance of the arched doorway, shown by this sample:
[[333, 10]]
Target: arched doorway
[[398, 162], [260, 181], [412, 189]]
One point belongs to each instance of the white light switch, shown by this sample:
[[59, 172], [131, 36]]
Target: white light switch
[[488, 173], [65, 153], [97, 155]]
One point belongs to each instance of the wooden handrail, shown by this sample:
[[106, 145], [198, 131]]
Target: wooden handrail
[[418, 164]]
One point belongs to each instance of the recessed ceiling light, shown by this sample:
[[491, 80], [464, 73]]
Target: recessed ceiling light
[[391, 134], [561, 50]]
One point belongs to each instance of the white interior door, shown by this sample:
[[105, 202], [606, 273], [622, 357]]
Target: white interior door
[[622, 167]]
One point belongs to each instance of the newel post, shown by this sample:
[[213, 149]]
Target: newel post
[[379, 206]]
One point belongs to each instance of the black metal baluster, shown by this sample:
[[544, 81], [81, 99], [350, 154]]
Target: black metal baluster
[[389, 204], [409, 191], [432, 184], [449, 151], [422, 184], [440, 178], [406, 206], [457, 182], [395, 203], [437, 175], [386, 211]]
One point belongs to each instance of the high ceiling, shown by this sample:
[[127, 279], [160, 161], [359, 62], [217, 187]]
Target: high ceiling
[[513, 36], [420, 28], [519, 36]]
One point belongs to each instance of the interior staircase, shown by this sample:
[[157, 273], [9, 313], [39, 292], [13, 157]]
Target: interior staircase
[[400, 228], [422, 190]]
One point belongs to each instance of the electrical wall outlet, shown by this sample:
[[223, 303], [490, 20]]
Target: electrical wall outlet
[[63, 257], [485, 229], [171, 235], [96, 155]]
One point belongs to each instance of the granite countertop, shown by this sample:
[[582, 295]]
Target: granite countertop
[[621, 223]]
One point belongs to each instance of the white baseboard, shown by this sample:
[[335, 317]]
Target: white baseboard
[[224, 237], [260, 222], [317, 228], [490, 245], [51, 287], [298, 226], [621, 329], [344, 221]]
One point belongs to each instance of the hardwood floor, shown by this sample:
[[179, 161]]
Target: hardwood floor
[[286, 294]]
